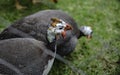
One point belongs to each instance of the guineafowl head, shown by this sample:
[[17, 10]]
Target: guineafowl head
[[86, 31]]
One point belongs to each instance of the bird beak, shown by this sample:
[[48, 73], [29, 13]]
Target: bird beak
[[68, 27], [89, 36], [63, 34]]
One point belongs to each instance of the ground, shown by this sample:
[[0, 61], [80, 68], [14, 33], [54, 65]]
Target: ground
[[97, 56]]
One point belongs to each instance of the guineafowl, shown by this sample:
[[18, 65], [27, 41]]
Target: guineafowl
[[36, 25]]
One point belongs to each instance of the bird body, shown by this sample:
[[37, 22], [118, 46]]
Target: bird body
[[29, 56], [36, 26]]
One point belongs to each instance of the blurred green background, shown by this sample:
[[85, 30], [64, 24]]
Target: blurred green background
[[98, 56]]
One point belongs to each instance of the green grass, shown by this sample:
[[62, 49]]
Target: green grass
[[97, 56]]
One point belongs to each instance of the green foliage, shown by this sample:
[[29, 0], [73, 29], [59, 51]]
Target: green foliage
[[97, 56]]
